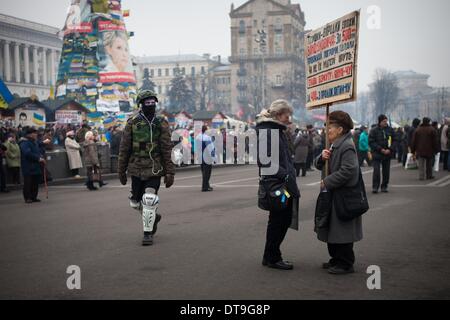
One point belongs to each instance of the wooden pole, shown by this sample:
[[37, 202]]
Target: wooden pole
[[327, 140]]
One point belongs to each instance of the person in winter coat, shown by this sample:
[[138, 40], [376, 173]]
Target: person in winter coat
[[445, 143], [12, 155], [382, 142], [363, 146], [31, 160], [275, 121], [3, 188], [425, 146], [301, 153], [73, 154], [91, 161], [340, 236], [404, 142]]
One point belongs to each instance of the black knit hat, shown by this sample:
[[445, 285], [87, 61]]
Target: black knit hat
[[381, 118]]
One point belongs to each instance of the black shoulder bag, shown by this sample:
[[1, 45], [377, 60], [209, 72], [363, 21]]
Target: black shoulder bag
[[351, 202], [272, 194]]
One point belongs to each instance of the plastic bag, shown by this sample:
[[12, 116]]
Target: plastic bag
[[436, 162], [411, 164]]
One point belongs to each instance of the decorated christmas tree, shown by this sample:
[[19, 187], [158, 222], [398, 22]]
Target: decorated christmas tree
[[95, 67]]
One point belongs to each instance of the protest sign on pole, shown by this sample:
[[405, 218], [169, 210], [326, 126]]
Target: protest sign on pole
[[331, 55], [331, 62]]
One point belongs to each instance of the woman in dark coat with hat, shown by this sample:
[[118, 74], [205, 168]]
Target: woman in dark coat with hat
[[343, 172]]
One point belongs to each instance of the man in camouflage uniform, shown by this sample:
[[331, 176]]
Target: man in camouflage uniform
[[145, 151]]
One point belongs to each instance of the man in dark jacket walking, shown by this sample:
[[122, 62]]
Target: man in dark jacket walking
[[382, 142], [425, 146], [31, 160]]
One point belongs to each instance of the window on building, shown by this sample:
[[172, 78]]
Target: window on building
[[278, 38], [152, 73], [279, 50], [160, 89], [167, 72], [203, 70], [183, 71], [175, 72], [278, 80], [242, 26], [242, 52], [167, 88], [193, 71], [159, 73]]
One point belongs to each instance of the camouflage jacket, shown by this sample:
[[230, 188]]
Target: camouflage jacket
[[135, 157]]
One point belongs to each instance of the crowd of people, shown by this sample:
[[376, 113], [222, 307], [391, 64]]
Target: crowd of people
[[23, 153], [379, 145]]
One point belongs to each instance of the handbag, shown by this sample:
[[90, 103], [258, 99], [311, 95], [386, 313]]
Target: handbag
[[96, 174], [351, 202], [323, 210], [272, 194]]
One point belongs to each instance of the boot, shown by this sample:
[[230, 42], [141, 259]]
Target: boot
[[148, 239], [90, 186], [101, 184]]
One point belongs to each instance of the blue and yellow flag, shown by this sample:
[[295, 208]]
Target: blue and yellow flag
[[5, 95], [95, 116], [109, 123], [38, 119]]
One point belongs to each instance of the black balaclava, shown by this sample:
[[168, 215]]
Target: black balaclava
[[149, 107]]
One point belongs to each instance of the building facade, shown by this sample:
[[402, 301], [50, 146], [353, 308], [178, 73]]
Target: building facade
[[197, 71], [267, 54], [221, 90], [29, 56]]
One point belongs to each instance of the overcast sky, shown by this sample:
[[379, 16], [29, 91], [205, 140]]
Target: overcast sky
[[413, 35]]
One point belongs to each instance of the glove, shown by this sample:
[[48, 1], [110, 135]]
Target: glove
[[169, 180], [123, 178]]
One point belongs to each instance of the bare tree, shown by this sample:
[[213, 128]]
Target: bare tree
[[384, 91]]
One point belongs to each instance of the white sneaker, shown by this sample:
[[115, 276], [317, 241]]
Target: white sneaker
[[77, 176], [135, 204]]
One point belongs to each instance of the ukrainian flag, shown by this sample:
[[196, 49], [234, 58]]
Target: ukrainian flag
[[38, 119], [95, 116], [109, 123], [5, 95]]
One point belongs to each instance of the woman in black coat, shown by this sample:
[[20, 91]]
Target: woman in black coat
[[275, 121]]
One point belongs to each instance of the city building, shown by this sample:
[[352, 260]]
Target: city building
[[197, 70], [267, 51], [29, 56], [221, 89]]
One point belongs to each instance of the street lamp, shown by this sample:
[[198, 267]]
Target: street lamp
[[261, 39]]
